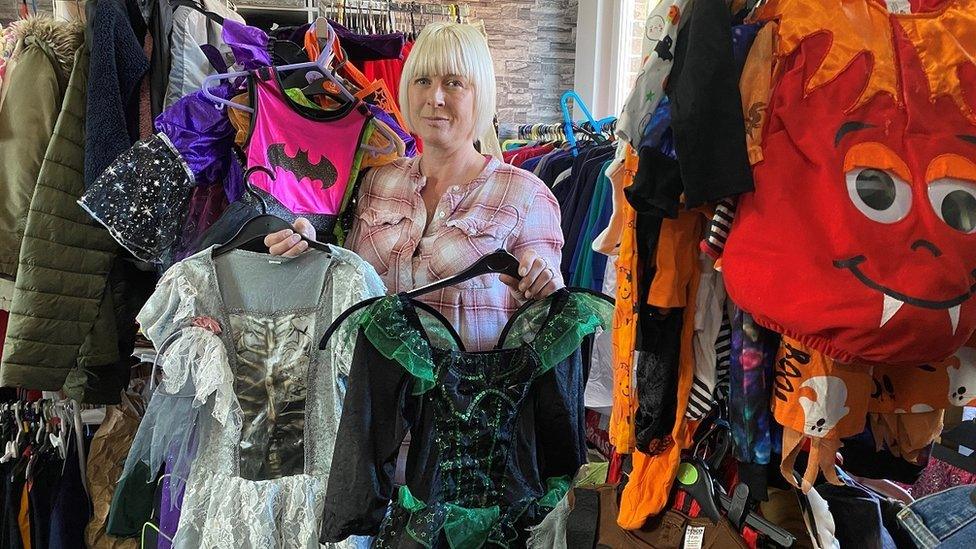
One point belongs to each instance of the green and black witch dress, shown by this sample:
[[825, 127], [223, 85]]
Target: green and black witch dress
[[496, 436]]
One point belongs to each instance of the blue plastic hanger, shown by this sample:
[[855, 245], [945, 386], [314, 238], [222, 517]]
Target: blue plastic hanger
[[568, 118], [322, 66]]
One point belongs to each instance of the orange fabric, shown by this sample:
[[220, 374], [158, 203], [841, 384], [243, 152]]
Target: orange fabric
[[650, 482], [361, 85], [240, 119], [676, 260], [364, 85], [878, 156], [820, 400], [906, 435], [383, 98], [847, 21], [755, 86], [624, 336], [23, 518], [621, 175], [941, 48]]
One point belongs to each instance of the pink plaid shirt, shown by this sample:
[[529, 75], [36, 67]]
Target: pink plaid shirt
[[503, 207]]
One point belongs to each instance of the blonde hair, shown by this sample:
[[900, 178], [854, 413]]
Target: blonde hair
[[453, 49]]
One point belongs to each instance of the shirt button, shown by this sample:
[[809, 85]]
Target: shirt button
[[455, 188], [441, 215]]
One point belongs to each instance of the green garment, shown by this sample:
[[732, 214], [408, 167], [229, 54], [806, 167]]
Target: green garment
[[63, 331]]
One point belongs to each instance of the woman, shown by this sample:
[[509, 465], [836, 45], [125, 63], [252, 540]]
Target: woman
[[426, 218]]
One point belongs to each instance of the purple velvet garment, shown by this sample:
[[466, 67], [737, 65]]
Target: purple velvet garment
[[201, 131], [369, 47], [410, 144]]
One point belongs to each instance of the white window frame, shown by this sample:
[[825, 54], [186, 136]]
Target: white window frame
[[602, 54]]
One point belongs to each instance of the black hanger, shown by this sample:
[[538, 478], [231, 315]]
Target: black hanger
[[773, 532], [366, 302], [695, 479], [255, 229], [316, 89], [195, 5], [413, 24], [500, 261]]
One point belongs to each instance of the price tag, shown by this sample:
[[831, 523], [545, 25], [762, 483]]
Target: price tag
[[694, 536]]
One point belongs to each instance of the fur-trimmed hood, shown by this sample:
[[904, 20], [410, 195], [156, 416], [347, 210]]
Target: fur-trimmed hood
[[63, 38]]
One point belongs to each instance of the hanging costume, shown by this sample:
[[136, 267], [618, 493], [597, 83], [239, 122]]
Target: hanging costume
[[858, 242], [496, 436], [311, 152], [247, 411]]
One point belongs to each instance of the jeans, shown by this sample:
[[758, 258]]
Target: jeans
[[946, 519]]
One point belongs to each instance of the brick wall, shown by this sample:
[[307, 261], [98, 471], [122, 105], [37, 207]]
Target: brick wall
[[635, 60], [533, 43]]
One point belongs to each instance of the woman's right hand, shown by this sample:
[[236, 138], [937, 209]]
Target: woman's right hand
[[288, 242]]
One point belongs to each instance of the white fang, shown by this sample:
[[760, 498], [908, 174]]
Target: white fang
[[954, 317], [891, 306]]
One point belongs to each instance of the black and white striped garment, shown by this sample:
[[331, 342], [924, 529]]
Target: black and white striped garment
[[723, 349], [709, 384], [718, 228]]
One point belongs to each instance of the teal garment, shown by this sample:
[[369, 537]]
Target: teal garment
[[495, 435], [132, 503], [583, 275]]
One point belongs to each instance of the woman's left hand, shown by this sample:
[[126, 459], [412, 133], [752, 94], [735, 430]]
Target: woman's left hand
[[539, 278]]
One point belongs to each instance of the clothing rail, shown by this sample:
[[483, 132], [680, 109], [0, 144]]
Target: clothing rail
[[531, 131], [383, 6], [554, 131]]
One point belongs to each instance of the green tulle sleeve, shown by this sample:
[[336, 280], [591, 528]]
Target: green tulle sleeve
[[582, 315], [557, 487], [388, 330]]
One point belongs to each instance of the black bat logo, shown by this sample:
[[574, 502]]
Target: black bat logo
[[663, 48], [324, 170]]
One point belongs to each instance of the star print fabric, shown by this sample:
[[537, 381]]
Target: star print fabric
[[142, 198]]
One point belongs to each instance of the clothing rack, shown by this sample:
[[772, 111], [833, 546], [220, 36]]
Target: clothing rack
[[551, 132], [384, 6], [532, 131]]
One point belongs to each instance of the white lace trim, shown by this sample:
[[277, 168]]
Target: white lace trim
[[187, 307], [226, 511], [199, 355]]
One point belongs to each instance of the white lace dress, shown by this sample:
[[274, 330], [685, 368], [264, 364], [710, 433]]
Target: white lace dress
[[248, 407]]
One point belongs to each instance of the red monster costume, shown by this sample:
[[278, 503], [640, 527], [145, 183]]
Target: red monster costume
[[859, 242], [859, 239]]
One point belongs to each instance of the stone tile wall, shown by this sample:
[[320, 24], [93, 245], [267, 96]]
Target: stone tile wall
[[533, 43]]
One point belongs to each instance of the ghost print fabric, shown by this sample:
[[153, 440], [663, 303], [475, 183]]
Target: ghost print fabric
[[142, 198], [821, 400]]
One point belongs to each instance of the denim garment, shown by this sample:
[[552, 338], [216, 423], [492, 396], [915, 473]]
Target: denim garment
[[946, 519]]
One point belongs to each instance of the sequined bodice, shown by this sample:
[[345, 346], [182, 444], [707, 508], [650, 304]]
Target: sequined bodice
[[477, 400]]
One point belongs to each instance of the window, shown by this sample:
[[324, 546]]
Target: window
[[632, 57], [609, 42]]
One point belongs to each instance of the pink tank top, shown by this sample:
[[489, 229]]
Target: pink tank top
[[311, 152]]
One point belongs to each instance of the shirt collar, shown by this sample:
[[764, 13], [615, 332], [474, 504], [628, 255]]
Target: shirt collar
[[418, 179]]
